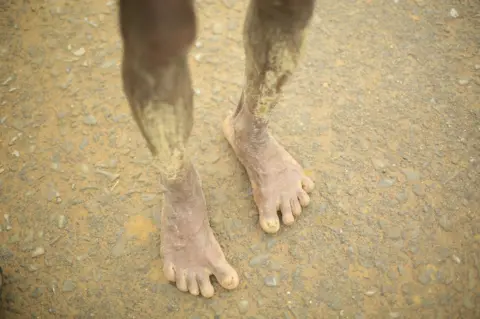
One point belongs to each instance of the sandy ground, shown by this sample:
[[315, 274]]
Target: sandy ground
[[383, 113]]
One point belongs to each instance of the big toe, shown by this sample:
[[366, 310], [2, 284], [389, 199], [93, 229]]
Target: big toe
[[269, 218], [226, 275], [270, 224], [307, 184]]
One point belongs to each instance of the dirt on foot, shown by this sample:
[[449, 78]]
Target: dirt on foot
[[190, 251], [277, 180]]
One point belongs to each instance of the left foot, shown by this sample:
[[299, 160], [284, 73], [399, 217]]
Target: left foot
[[278, 181]]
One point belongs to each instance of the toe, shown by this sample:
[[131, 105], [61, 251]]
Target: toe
[[206, 287], [270, 224], [192, 284], [181, 281], [169, 271], [296, 208], [226, 275], [269, 219], [307, 184], [286, 208], [303, 198]]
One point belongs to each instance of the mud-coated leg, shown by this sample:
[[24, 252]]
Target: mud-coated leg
[[157, 35], [273, 37]]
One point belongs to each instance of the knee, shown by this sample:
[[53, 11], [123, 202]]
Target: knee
[[169, 41], [158, 29], [294, 11]]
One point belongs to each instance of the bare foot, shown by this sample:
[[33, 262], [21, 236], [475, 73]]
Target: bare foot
[[278, 181], [190, 251]]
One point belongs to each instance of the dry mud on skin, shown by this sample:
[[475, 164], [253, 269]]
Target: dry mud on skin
[[383, 112]]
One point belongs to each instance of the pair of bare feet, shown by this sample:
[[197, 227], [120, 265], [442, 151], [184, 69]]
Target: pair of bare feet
[[190, 251]]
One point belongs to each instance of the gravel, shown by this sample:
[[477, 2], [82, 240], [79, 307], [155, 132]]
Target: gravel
[[89, 120], [243, 306], [39, 251], [68, 286], [270, 281]]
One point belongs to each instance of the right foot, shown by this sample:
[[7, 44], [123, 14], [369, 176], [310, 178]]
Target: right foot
[[278, 181], [190, 251]]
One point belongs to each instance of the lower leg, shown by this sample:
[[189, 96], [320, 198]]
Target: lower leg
[[273, 38], [156, 37]]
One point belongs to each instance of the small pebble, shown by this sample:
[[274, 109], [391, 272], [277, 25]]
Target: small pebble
[[13, 140], [411, 174], [445, 223], [79, 52], [62, 221], [270, 281], [68, 286], [370, 292], [424, 278], [89, 120], [113, 177], [454, 13], [82, 257], [8, 80], [16, 153], [336, 304], [402, 197], [8, 224], [270, 243], [463, 81], [456, 259], [418, 190], [384, 183], [37, 292], [394, 315], [428, 275], [258, 260], [378, 163], [39, 251], [33, 268], [243, 306], [84, 143]]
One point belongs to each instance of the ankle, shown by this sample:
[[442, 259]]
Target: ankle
[[249, 126], [181, 183]]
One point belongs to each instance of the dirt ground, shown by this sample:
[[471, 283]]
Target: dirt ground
[[383, 112]]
